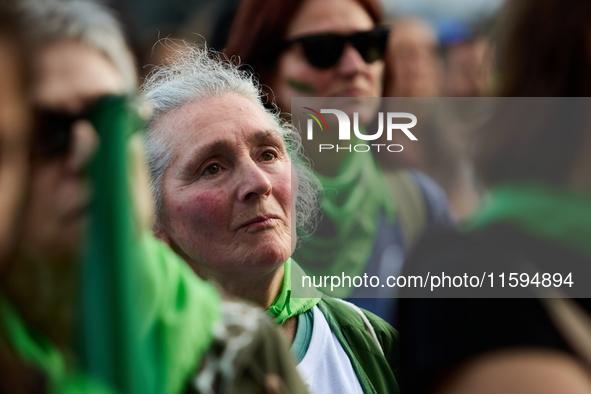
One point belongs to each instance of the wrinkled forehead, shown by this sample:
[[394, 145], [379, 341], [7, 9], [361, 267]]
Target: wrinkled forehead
[[230, 117]]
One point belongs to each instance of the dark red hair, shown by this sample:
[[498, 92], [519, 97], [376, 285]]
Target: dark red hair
[[260, 26]]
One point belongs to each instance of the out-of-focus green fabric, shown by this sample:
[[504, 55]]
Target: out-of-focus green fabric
[[176, 313], [547, 211], [36, 350], [146, 319]]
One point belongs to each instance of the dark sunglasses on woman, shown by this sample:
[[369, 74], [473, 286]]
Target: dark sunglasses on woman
[[53, 132], [324, 50], [53, 129]]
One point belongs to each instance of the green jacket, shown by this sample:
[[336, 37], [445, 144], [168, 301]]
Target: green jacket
[[375, 371]]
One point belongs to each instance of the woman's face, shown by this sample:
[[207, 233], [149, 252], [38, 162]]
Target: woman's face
[[227, 193], [351, 76], [72, 75]]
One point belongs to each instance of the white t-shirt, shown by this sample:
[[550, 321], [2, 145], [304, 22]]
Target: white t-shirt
[[326, 368]]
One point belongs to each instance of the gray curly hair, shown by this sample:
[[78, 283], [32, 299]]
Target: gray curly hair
[[195, 74]]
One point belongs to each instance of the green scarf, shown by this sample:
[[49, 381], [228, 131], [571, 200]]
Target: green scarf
[[284, 305], [546, 211], [146, 318], [176, 312], [36, 350], [353, 201], [176, 315]]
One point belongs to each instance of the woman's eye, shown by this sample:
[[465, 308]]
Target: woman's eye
[[212, 170], [268, 156]]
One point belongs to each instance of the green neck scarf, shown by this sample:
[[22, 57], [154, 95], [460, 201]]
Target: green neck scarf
[[284, 305], [352, 204], [36, 350], [546, 211], [176, 315]]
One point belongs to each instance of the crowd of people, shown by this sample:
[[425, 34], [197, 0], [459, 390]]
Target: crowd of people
[[153, 230]]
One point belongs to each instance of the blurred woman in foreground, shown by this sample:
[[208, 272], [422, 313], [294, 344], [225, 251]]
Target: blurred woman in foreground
[[15, 115], [87, 304]]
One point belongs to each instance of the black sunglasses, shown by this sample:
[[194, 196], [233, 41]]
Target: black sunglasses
[[53, 129], [53, 132], [325, 50]]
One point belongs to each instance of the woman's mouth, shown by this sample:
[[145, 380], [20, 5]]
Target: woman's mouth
[[258, 223]]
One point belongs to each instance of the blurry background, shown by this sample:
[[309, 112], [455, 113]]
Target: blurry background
[[437, 48], [194, 20], [437, 10]]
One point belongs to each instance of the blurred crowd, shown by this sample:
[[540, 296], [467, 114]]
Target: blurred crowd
[[158, 205]]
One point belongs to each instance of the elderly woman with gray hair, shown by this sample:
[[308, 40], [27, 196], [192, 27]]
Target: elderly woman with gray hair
[[231, 188]]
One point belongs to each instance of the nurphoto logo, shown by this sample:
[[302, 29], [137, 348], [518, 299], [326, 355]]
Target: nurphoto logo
[[344, 133]]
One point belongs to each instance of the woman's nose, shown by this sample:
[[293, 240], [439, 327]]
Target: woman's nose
[[85, 142], [351, 61], [254, 182]]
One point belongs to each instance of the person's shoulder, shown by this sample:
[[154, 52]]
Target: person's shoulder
[[371, 341], [344, 312], [421, 203], [381, 327], [388, 337], [358, 320]]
